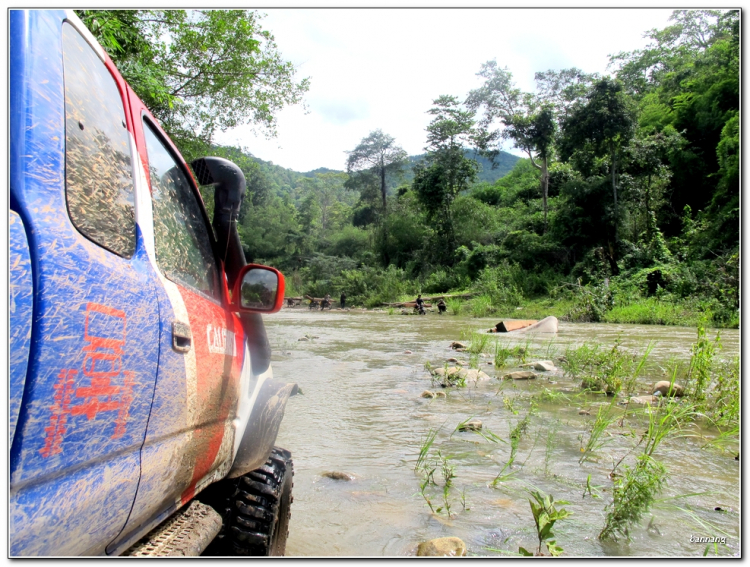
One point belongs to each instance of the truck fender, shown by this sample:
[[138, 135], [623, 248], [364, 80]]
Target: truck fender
[[263, 426]]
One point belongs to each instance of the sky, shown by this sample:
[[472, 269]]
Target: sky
[[382, 68]]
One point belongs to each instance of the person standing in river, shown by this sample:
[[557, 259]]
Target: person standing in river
[[441, 306], [343, 300], [420, 304]]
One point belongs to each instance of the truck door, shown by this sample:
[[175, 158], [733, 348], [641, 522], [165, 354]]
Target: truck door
[[93, 354], [190, 436]]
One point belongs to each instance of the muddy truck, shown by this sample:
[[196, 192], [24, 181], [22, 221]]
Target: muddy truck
[[143, 410]]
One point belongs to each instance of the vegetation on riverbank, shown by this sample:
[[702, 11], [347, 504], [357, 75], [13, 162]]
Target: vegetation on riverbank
[[625, 208]]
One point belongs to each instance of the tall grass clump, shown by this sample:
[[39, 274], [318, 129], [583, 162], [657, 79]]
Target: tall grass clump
[[505, 352], [516, 434], [481, 306], [455, 306], [636, 490], [604, 418], [479, 342], [633, 495], [725, 407], [698, 378], [600, 369]]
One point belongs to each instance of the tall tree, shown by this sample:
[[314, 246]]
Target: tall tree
[[378, 153], [602, 126], [446, 170], [199, 71], [527, 119]]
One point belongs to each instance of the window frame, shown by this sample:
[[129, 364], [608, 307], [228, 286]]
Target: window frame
[[146, 122]]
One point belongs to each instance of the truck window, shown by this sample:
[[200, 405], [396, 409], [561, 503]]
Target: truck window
[[98, 173], [183, 248]]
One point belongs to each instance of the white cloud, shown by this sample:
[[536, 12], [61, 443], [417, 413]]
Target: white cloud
[[381, 68]]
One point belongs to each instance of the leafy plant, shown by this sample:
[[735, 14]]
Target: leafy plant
[[545, 515], [479, 342], [725, 399], [455, 306], [701, 364], [504, 352], [604, 418], [516, 434], [636, 490], [592, 303], [550, 444], [600, 370], [630, 383], [590, 490], [633, 495], [481, 306], [449, 474], [424, 447]]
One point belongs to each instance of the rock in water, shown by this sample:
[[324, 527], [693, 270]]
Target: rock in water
[[454, 373], [303, 339], [541, 365], [456, 345], [428, 394], [452, 360], [471, 425], [407, 352], [440, 394], [336, 475], [476, 375], [663, 388], [520, 375], [442, 547]]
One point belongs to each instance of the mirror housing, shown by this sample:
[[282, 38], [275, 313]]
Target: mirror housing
[[258, 289]]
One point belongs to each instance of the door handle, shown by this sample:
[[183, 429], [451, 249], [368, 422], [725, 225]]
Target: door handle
[[182, 338]]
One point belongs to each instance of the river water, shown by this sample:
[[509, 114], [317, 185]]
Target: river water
[[361, 413]]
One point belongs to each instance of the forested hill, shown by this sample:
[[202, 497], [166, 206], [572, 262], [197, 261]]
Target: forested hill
[[504, 162], [283, 180]]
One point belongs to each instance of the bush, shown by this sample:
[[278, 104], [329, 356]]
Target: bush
[[592, 303], [498, 284], [444, 280], [372, 286]]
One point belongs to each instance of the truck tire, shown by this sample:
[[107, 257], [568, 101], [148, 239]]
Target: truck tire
[[256, 509]]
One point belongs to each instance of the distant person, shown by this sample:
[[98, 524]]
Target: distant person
[[343, 300], [420, 304], [326, 301], [441, 306]]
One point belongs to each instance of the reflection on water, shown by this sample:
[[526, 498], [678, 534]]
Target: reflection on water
[[361, 413]]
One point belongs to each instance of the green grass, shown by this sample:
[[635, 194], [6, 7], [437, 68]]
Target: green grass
[[651, 311]]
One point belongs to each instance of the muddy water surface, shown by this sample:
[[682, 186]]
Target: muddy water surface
[[361, 413]]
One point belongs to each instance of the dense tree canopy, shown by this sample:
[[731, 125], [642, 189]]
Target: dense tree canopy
[[199, 71]]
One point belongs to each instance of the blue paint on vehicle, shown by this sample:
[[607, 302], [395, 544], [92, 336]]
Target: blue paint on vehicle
[[21, 303], [94, 347]]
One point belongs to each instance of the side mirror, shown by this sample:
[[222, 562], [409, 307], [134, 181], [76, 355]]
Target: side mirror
[[258, 289]]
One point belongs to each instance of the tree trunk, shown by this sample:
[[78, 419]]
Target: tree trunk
[[544, 180], [545, 191], [386, 258], [614, 185], [649, 234], [613, 248]]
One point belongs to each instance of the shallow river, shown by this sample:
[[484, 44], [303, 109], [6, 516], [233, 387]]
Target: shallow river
[[361, 413]]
